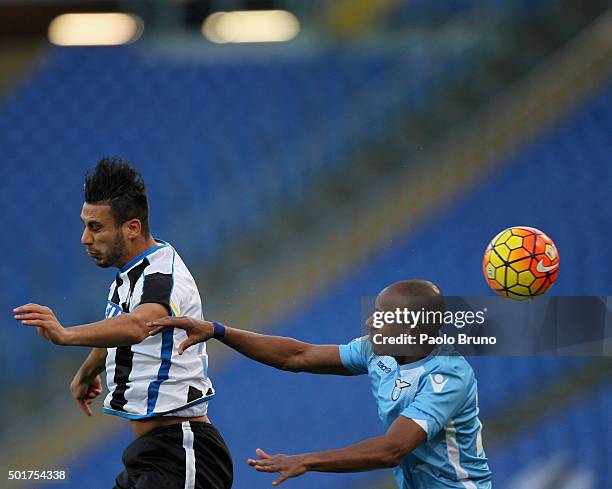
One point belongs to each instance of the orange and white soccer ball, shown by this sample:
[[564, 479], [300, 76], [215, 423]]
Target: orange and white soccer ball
[[521, 263]]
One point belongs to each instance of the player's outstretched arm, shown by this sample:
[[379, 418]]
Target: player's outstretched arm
[[388, 450], [125, 329], [276, 351]]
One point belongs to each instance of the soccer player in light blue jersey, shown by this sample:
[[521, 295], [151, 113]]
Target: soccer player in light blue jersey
[[427, 402]]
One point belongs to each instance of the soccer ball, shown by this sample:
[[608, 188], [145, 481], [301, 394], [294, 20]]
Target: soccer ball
[[521, 263]]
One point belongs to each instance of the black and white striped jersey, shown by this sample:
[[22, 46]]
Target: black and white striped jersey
[[150, 378]]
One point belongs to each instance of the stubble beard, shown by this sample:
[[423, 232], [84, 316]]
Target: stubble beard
[[114, 255]]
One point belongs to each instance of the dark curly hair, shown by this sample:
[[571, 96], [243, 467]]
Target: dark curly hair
[[115, 182]]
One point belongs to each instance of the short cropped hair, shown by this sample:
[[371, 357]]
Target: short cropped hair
[[116, 183]]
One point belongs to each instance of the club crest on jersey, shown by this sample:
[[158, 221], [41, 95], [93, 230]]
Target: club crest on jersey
[[112, 310], [397, 390]]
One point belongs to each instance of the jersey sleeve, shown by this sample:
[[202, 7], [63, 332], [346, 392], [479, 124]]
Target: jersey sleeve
[[355, 355], [157, 288], [439, 397]]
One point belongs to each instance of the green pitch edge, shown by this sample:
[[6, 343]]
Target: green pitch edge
[[353, 234]]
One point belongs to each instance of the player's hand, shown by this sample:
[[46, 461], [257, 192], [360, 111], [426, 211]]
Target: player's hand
[[84, 392], [197, 331], [43, 318], [287, 466]]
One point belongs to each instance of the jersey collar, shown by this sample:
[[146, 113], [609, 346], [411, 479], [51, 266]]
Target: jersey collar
[[136, 259]]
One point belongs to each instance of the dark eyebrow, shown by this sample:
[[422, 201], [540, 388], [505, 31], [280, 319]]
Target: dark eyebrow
[[89, 223]]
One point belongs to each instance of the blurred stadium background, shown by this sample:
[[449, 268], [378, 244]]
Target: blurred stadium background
[[375, 140]]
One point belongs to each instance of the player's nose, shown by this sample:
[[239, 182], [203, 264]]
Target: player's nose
[[86, 237]]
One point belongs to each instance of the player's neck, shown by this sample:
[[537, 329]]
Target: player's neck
[[405, 360], [138, 247]]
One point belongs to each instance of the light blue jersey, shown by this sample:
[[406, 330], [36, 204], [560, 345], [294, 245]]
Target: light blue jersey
[[439, 393]]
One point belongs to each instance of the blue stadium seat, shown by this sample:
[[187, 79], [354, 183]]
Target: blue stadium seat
[[278, 411], [578, 438], [222, 145], [558, 183]]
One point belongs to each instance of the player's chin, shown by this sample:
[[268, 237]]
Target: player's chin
[[101, 261]]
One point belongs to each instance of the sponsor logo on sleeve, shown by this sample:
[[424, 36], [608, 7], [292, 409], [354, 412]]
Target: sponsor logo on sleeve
[[383, 367], [112, 310]]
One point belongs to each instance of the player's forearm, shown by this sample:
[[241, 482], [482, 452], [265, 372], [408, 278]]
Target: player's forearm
[[122, 330], [276, 351], [371, 454], [93, 365]]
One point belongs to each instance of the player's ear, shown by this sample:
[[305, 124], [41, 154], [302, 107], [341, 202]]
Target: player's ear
[[132, 228]]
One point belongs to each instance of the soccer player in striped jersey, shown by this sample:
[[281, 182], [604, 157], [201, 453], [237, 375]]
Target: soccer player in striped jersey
[[163, 394], [427, 402]]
